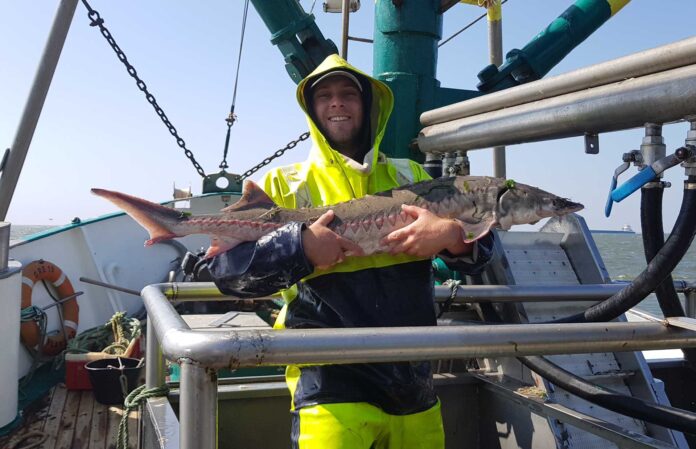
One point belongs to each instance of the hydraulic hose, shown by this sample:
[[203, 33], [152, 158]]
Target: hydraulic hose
[[657, 270], [653, 240], [670, 417]]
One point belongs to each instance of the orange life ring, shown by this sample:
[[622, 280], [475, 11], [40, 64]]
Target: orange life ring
[[41, 270]]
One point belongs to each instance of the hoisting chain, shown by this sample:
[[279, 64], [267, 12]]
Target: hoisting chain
[[292, 144], [97, 21]]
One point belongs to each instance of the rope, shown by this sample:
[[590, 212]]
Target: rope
[[34, 313], [453, 284], [36, 434], [132, 402]]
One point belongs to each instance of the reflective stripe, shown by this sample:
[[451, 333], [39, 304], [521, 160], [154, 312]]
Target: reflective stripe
[[28, 282], [60, 280], [404, 170], [297, 186], [70, 324]]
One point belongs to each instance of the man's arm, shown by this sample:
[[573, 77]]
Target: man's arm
[[280, 259], [274, 262], [430, 235]]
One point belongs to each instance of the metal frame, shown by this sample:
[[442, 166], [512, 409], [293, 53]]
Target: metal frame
[[201, 352], [657, 98], [35, 102]]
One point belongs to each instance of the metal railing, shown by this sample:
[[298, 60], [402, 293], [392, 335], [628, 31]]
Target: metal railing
[[201, 353]]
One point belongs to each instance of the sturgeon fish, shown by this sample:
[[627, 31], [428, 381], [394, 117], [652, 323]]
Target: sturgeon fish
[[480, 203]]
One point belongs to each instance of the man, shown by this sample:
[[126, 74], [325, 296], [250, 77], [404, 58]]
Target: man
[[327, 282]]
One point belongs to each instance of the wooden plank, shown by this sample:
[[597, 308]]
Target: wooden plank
[[34, 420], [84, 421], [115, 414], [55, 412], [100, 422], [68, 421]]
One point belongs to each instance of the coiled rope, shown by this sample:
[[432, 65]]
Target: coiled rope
[[131, 403]]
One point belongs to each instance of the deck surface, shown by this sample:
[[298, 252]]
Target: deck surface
[[71, 420]]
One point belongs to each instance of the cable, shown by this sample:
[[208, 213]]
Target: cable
[[231, 118], [466, 27], [670, 417]]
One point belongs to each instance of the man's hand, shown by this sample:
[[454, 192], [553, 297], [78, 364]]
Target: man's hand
[[427, 236], [323, 247]]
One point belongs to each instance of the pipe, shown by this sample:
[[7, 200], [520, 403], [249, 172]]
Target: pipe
[[35, 102], [657, 270], [660, 59], [246, 348], [207, 291], [662, 97], [198, 410], [662, 415]]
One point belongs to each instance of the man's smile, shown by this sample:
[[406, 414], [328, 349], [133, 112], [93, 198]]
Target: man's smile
[[339, 118]]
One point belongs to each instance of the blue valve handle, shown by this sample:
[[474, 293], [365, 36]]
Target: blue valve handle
[[610, 202], [643, 177]]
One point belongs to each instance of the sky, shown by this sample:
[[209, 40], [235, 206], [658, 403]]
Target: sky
[[97, 130]]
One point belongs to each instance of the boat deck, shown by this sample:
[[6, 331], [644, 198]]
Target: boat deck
[[71, 420]]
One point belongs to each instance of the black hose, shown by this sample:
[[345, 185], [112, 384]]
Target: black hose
[[662, 415], [670, 417], [653, 240], [657, 270]]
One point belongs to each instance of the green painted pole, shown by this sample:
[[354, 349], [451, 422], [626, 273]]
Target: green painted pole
[[551, 45], [405, 57]]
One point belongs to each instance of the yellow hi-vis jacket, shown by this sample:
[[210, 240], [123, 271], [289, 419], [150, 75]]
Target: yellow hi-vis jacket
[[372, 291]]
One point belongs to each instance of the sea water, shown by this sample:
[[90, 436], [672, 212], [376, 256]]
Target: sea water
[[622, 255]]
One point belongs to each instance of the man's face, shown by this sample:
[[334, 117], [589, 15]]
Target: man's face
[[338, 110]]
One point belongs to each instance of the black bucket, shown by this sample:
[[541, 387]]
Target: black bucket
[[113, 379]]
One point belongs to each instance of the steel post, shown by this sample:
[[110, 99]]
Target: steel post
[[345, 11], [35, 102], [659, 98], [155, 374], [660, 59], [495, 49], [4, 245], [198, 411]]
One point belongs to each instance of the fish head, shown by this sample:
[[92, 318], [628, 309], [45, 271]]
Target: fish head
[[523, 204]]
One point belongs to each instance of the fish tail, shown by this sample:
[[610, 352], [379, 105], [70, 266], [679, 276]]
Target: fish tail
[[159, 221]]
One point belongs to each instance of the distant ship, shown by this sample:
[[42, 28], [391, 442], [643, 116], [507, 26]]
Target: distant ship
[[626, 229]]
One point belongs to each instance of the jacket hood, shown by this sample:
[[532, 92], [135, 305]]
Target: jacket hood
[[382, 102]]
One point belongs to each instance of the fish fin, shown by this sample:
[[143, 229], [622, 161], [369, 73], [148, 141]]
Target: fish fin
[[219, 245], [252, 196], [474, 231], [152, 216]]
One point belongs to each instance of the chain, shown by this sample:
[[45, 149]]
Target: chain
[[292, 144], [97, 21]]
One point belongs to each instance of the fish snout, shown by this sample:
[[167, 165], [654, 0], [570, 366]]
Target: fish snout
[[563, 206]]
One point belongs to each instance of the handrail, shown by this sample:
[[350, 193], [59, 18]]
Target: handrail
[[659, 59], [207, 291], [245, 348], [200, 353], [658, 98]]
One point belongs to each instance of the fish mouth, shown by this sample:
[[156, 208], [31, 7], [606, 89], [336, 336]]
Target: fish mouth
[[564, 206]]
